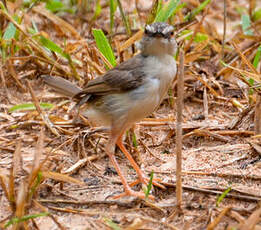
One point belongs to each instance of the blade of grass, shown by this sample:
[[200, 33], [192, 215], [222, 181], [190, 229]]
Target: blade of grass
[[47, 43], [125, 21], [167, 10], [104, 46], [35, 185], [223, 195], [257, 57], [196, 11], [97, 11], [149, 186], [113, 7], [153, 12], [29, 106], [134, 140], [16, 220], [61, 177]]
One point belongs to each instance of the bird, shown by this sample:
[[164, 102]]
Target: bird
[[126, 94]]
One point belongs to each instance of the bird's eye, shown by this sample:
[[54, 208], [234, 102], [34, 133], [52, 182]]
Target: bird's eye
[[172, 33], [146, 31]]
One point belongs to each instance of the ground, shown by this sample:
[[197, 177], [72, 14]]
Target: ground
[[219, 150]]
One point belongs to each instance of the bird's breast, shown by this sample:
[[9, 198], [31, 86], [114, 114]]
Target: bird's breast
[[163, 68]]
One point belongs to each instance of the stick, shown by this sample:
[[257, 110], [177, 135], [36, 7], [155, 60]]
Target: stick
[[179, 129]]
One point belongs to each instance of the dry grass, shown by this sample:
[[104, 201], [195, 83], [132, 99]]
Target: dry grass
[[55, 175]]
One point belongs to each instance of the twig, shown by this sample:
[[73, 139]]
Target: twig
[[14, 75], [257, 119], [205, 101], [224, 28], [4, 85], [212, 192], [240, 176], [179, 129], [41, 112], [212, 225], [251, 222], [150, 152]]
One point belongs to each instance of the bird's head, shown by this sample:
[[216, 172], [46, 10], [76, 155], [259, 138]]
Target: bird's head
[[158, 39]]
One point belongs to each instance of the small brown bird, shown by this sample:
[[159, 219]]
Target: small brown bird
[[127, 93]]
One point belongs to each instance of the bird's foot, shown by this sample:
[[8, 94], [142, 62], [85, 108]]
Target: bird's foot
[[145, 180], [133, 193]]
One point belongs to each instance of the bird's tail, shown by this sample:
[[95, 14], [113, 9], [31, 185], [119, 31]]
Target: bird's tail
[[61, 85]]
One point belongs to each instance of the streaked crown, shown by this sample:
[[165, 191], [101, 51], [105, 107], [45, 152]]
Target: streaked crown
[[159, 29]]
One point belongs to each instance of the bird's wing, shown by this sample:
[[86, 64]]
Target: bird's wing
[[126, 76]]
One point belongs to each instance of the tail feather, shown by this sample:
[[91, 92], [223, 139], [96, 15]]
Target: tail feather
[[61, 85]]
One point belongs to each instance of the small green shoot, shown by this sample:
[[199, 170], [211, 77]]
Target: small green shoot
[[257, 57], [196, 11], [222, 196], [97, 11], [112, 224], [36, 183], [134, 140], [257, 15], [16, 220], [113, 7], [104, 46], [149, 186], [166, 11], [246, 24], [29, 106]]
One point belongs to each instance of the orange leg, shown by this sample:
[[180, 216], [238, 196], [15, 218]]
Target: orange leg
[[142, 179], [127, 190]]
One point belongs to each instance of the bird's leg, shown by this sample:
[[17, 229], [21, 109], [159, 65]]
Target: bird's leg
[[110, 148], [142, 179]]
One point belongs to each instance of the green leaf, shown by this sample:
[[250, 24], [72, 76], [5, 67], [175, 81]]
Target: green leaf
[[29, 106], [200, 37], [257, 15], [47, 43], [104, 45], [10, 31], [251, 81], [223, 195], [246, 23], [196, 11], [112, 224], [166, 11], [257, 57], [54, 5], [149, 186], [16, 220]]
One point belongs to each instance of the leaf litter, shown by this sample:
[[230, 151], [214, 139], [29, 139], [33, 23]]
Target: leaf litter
[[67, 178]]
